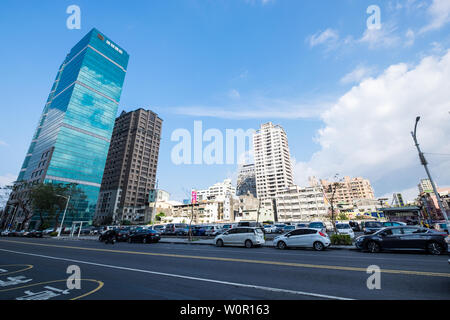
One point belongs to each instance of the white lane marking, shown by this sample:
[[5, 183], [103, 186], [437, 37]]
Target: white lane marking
[[186, 277]]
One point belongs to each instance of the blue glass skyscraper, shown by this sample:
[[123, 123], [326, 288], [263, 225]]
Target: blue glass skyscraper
[[71, 141]]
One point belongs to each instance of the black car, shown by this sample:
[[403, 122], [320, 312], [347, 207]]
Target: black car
[[123, 234], [34, 234], [370, 227], [144, 236], [404, 238]]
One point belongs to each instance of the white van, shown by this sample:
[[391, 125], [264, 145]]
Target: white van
[[241, 236]]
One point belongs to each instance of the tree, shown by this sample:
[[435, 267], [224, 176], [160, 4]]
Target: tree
[[331, 189], [159, 216], [51, 198], [19, 199]]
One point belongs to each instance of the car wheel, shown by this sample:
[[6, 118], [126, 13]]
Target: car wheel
[[129, 240], [373, 247], [248, 244], [434, 248], [318, 246], [219, 243], [281, 245], [144, 240]]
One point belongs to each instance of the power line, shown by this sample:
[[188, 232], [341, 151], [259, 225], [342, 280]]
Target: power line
[[438, 154]]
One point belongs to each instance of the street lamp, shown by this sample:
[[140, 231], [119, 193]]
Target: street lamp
[[424, 162], [64, 215]]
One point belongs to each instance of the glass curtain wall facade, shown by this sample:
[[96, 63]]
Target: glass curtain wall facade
[[71, 142]]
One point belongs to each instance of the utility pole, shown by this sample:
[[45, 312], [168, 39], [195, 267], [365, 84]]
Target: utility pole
[[64, 215], [153, 214], [424, 162]]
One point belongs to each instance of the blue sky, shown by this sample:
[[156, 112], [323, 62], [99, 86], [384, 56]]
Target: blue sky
[[311, 66]]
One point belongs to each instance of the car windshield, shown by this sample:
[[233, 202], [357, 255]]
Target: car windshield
[[343, 226], [258, 231]]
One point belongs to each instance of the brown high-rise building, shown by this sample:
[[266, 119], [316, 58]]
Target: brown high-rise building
[[130, 171]]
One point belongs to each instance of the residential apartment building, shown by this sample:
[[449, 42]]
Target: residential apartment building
[[130, 171], [273, 168], [348, 190], [425, 186], [71, 141], [301, 204], [246, 182], [217, 191]]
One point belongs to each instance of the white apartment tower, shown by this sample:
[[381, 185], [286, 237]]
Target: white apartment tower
[[272, 162]]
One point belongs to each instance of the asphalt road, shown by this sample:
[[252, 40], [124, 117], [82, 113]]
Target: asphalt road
[[37, 268]]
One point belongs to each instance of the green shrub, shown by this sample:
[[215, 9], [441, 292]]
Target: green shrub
[[341, 239], [53, 234]]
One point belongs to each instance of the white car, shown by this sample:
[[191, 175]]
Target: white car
[[212, 230], [268, 228], [345, 228], [305, 237], [319, 226], [241, 236]]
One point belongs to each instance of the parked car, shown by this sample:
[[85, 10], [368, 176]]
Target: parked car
[[173, 228], [198, 231], [241, 236], [301, 225], [345, 228], [212, 230], [370, 227], [288, 228], [252, 224], [319, 226], [279, 227], [393, 224], [4, 233], [228, 226], [269, 228], [34, 234], [355, 226], [159, 227], [404, 238], [145, 236], [122, 234], [304, 237]]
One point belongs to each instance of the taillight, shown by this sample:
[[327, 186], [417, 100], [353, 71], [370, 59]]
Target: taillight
[[322, 234]]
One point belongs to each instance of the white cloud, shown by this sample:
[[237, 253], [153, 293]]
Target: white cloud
[[367, 131], [329, 36], [357, 75], [3, 144], [257, 108], [7, 179], [381, 38], [234, 94], [439, 13]]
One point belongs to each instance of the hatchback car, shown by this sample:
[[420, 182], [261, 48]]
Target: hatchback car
[[305, 237], [404, 238], [241, 236]]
